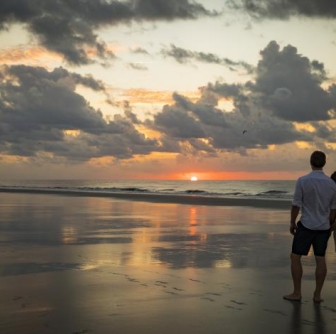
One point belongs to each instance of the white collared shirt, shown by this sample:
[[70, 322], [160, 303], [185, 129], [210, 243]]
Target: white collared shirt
[[315, 194]]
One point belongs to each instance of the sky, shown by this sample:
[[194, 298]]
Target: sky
[[158, 89]]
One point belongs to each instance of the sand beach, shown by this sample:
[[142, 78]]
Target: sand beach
[[74, 263]]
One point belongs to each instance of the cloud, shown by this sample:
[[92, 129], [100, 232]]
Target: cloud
[[41, 112], [203, 126], [38, 107], [137, 66], [292, 85], [175, 121], [140, 51], [286, 88], [144, 96], [183, 56], [69, 28], [25, 54], [283, 9], [287, 85], [169, 10]]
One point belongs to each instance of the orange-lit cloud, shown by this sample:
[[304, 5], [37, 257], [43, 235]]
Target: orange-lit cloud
[[144, 96], [92, 52], [304, 127], [72, 133], [101, 161], [11, 159], [28, 55], [37, 55]]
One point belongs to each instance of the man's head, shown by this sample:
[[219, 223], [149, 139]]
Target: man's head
[[318, 160]]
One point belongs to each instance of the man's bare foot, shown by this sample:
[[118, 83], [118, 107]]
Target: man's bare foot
[[317, 299], [293, 297]]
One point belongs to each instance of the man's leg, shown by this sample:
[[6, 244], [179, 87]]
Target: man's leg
[[296, 269], [320, 275]]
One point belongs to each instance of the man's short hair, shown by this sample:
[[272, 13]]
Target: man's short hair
[[318, 159]]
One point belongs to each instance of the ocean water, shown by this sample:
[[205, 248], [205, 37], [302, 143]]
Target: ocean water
[[233, 189]]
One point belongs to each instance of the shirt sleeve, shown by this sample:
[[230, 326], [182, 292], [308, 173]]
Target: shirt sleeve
[[297, 198]]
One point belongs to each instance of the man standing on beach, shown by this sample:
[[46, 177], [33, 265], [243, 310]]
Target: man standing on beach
[[315, 196]]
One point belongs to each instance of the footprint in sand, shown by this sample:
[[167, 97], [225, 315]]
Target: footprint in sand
[[238, 303], [327, 308], [82, 331], [132, 279], [233, 308], [275, 312], [207, 298], [17, 298], [173, 276], [307, 322], [196, 280], [256, 292], [171, 292], [214, 294]]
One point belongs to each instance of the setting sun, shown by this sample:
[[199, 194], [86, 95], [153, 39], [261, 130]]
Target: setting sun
[[193, 178]]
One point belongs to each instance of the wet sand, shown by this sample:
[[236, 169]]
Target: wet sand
[[88, 264]]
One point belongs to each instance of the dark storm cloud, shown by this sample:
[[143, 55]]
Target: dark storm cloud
[[37, 107], [86, 146], [175, 122], [286, 84], [33, 97], [208, 129], [284, 9], [207, 114], [183, 56], [286, 88], [69, 27], [292, 85], [169, 10]]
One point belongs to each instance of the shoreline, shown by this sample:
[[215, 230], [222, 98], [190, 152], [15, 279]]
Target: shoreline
[[163, 198]]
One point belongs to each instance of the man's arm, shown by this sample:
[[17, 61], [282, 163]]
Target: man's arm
[[332, 218], [294, 213]]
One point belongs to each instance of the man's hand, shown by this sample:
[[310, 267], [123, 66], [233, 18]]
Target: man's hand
[[293, 228], [294, 213]]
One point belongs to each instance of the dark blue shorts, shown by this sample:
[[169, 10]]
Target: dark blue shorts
[[304, 238]]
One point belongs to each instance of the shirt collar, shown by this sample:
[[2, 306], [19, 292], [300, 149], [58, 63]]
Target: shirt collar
[[319, 171]]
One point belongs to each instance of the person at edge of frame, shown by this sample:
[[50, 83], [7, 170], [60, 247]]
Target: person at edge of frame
[[333, 177], [315, 197]]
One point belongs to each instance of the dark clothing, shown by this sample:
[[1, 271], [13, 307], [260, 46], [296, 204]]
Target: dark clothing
[[304, 238]]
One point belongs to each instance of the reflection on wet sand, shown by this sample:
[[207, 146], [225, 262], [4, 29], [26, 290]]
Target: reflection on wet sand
[[301, 324], [319, 320], [178, 236], [73, 264]]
